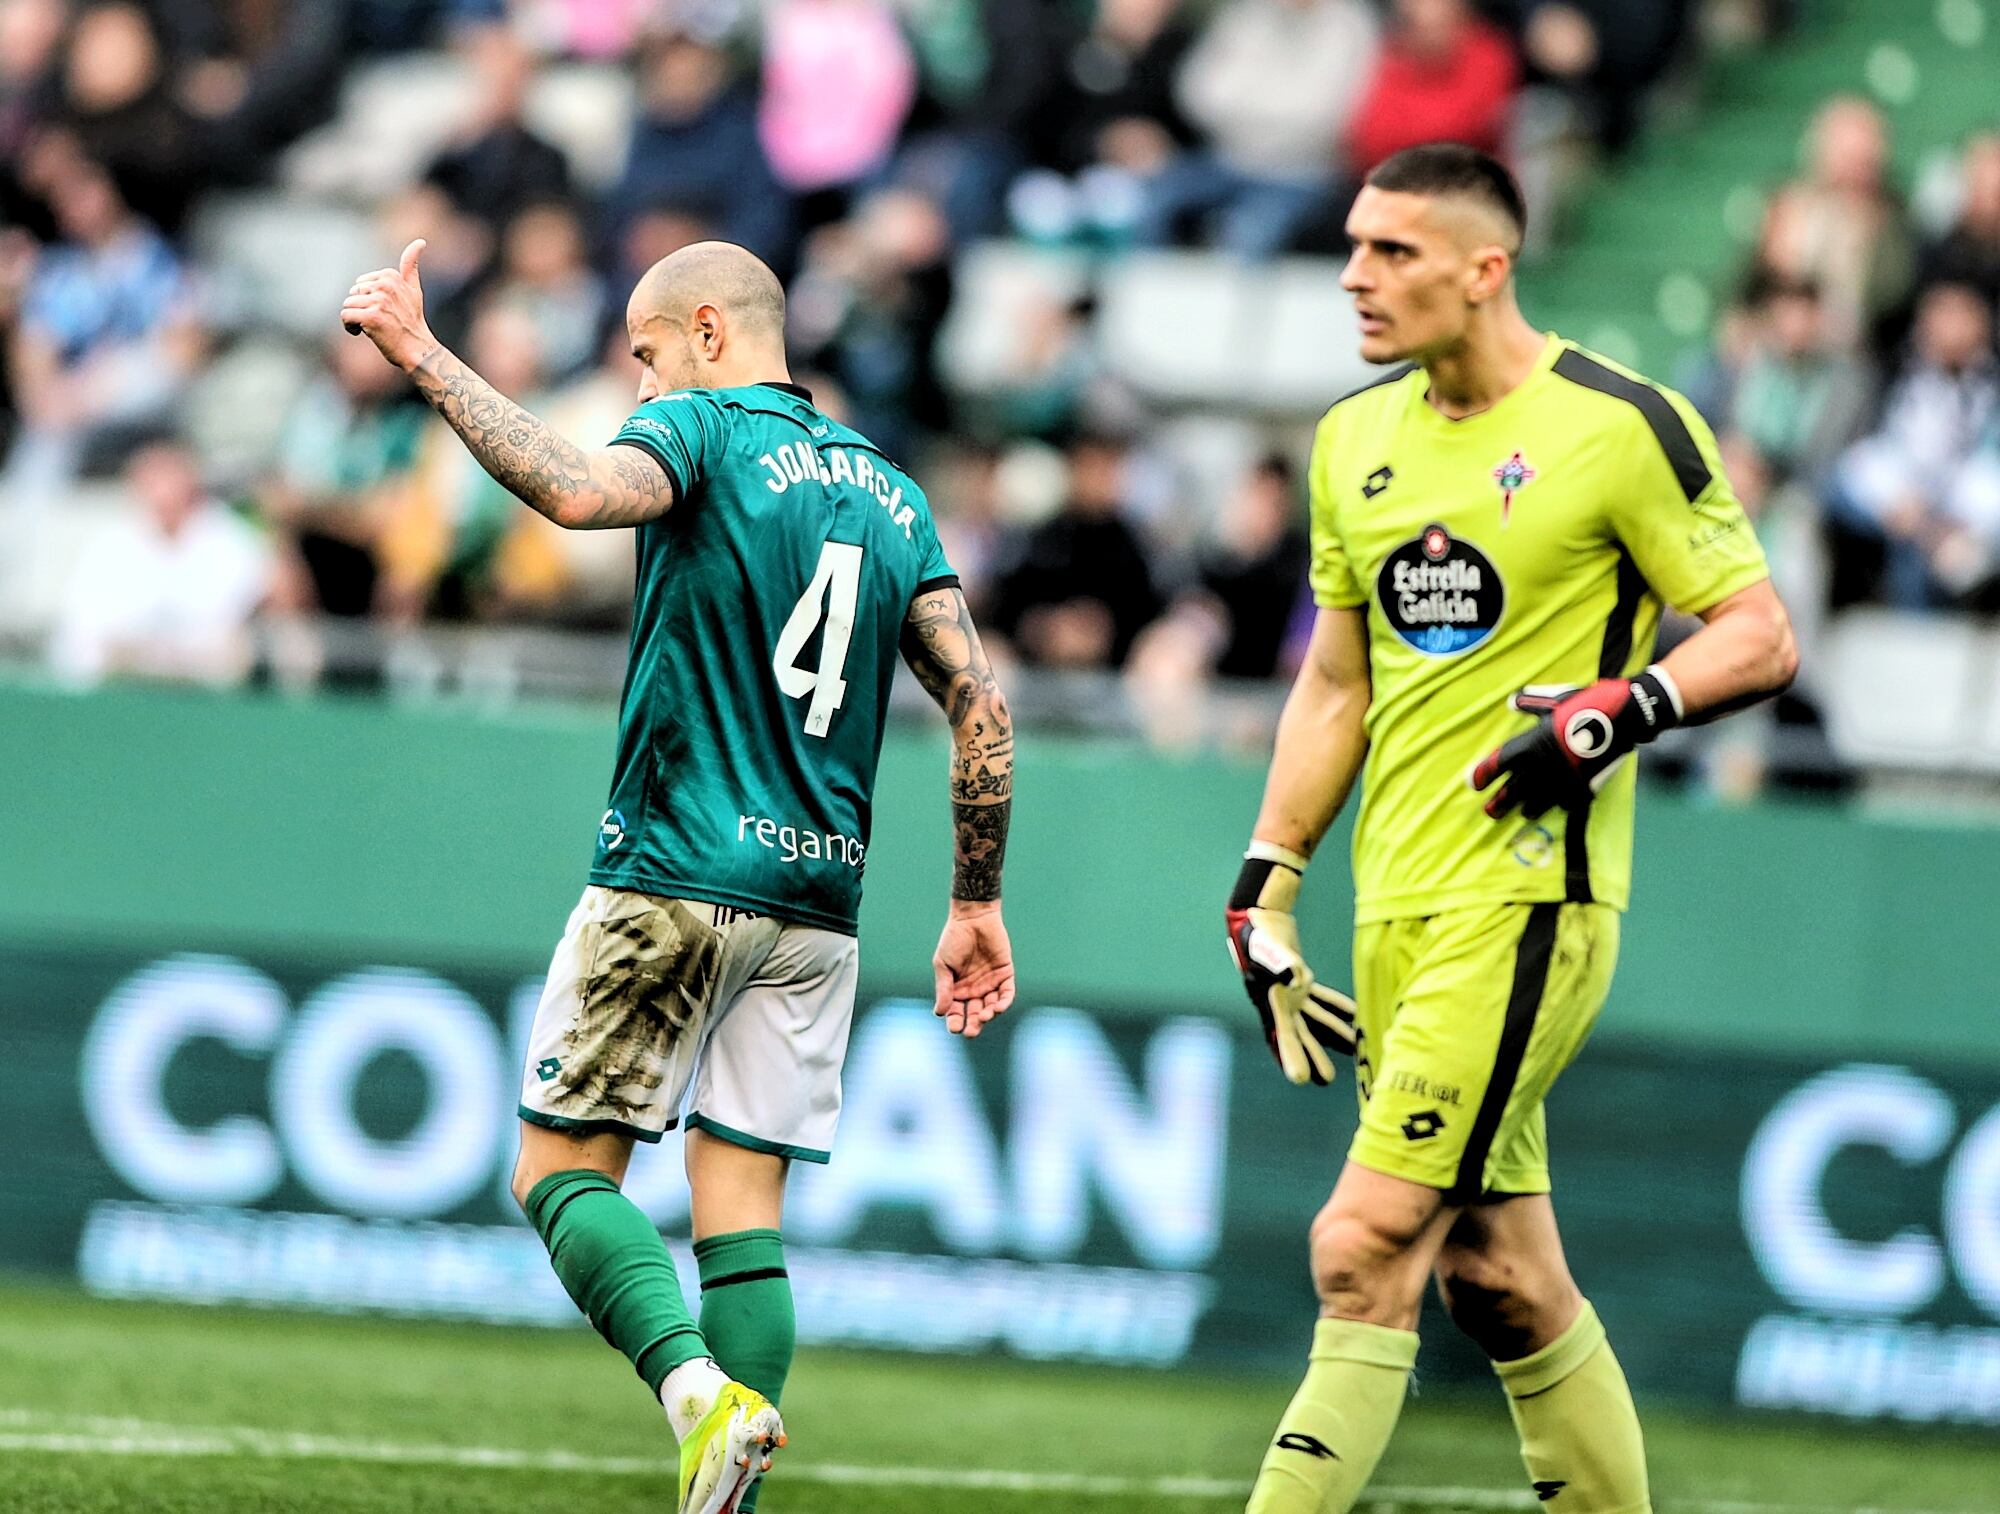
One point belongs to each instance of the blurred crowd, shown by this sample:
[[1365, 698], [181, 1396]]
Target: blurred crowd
[[861, 146], [1855, 380]]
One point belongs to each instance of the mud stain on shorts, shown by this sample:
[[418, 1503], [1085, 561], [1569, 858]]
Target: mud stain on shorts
[[649, 977]]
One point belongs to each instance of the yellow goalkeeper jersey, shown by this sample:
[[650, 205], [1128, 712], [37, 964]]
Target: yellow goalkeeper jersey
[[1532, 543]]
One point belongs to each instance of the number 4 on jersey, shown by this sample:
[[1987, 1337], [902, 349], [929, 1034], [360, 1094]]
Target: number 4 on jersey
[[833, 593]]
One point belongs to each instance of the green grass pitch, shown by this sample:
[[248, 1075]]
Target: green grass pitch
[[164, 1409]]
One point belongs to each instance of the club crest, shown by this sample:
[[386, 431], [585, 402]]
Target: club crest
[[1515, 473]]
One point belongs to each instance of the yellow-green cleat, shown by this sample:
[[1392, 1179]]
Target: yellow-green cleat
[[728, 1450]]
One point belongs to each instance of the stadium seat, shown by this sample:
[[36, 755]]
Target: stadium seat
[[1000, 287], [1899, 688], [1201, 328], [235, 411], [1986, 706], [1183, 327], [586, 110], [1175, 327], [56, 542], [394, 114], [1308, 355], [284, 262]]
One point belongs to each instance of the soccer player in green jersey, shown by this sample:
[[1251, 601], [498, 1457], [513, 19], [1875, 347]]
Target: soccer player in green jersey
[[1495, 526], [784, 564]]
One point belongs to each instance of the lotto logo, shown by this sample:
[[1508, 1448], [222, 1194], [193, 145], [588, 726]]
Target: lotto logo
[[1422, 1126]]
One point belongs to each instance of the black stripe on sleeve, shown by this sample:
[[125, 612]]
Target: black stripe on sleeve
[[947, 581], [1669, 430], [1393, 376], [754, 1275], [1524, 1002]]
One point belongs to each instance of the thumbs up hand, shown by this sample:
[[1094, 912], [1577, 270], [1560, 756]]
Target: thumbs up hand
[[387, 306]]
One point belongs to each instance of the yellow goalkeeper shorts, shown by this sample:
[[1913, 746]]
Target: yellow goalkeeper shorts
[[1465, 1019]]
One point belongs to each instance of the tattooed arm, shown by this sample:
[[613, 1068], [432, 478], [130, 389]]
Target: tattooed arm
[[974, 965], [609, 486], [943, 650]]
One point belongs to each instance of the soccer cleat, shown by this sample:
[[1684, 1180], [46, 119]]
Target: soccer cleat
[[728, 1450]]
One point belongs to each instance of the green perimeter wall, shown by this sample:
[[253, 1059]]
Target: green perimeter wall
[[165, 820], [267, 967]]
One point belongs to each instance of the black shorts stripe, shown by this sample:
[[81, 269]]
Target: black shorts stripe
[[754, 1275], [1683, 455], [1524, 1002]]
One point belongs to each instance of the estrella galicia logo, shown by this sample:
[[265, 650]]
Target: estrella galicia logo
[[611, 831], [1440, 593]]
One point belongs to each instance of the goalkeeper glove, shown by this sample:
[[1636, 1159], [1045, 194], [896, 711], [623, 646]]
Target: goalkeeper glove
[[1581, 737], [1303, 1021]]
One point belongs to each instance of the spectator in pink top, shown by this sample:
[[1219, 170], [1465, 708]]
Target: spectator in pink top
[[590, 28], [839, 79], [1444, 75]]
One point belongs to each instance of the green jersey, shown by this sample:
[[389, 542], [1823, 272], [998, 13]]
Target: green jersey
[[771, 600]]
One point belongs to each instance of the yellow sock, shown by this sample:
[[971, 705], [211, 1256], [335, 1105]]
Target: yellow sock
[[1333, 1432], [1579, 1432]]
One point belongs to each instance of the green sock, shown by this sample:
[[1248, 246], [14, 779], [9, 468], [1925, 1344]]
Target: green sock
[[746, 1312], [1579, 1431], [617, 1269], [746, 1307], [1338, 1423]]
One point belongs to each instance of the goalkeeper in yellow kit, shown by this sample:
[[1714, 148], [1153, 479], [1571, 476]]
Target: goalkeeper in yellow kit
[[1495, 527]]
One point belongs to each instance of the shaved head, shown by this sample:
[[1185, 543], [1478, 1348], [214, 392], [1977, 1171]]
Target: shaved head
[[1459, 176], [1472, 221], [733, 279], [707, 317]]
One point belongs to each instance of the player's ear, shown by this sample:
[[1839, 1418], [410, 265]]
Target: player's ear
[[707, 332], [1492, 267]]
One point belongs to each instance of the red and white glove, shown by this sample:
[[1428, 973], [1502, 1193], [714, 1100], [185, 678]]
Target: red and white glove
[[1581, 737], [1304, 1022]]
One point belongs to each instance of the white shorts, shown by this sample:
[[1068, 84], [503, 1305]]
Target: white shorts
[[647, 997]]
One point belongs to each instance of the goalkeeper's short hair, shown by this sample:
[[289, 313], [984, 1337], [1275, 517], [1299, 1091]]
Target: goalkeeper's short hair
[[1452, 168]]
